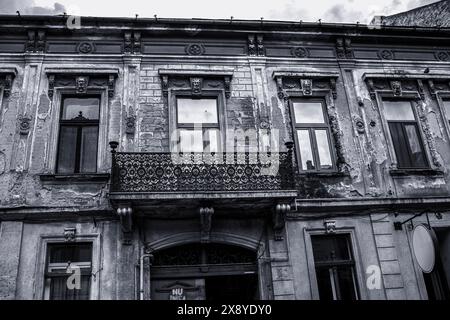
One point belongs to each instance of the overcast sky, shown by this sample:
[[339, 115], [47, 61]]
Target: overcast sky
[[294, 10]]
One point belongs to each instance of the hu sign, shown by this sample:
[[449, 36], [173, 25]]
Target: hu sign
[[177, 294]]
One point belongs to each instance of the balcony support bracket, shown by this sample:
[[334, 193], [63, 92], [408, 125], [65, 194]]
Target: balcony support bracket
[[279, 220], [125, 213]]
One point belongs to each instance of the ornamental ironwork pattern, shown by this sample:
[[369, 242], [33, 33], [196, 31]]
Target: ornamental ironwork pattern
[[162, 172]]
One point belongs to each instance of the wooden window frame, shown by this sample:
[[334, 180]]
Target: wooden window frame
[[311, 127], [79, 124], [85, 267], [414, 122], [175, 94]]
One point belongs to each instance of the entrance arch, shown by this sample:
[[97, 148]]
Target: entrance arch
[[197, 271]]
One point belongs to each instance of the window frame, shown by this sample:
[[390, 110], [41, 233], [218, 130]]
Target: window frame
[[85, 267], [103, 155], [174, 94], [312, 127], [359, 273], [58, 238], [416, 122], [79, 124], [441, 98]]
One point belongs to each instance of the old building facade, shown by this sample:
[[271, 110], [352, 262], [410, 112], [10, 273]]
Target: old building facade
[[203, 159]]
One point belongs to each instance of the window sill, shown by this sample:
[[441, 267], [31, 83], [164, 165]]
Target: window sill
[[75, 178], [325, 174], [416, 172]]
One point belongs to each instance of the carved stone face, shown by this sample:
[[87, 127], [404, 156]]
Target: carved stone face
[[81, 84]]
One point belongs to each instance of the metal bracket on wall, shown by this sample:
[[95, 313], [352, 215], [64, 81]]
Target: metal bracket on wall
[[399, 225]]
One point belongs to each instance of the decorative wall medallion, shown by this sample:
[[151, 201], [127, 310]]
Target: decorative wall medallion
[[359, 123], [24, 125], [85, 47], [195, 49], [300, 52], [386, 54], [81, 84], [442, 56], [196, 85], [130, 124], [264, 124]]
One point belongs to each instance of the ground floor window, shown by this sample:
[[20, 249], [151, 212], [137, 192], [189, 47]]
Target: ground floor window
[[64, 263], [335, 267]]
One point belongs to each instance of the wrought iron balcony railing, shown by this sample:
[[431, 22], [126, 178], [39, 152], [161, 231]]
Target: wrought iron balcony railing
[[166, 172]]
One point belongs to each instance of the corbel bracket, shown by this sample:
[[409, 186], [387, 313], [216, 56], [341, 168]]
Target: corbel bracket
[[125, 213], [206, 214], [279, 220]]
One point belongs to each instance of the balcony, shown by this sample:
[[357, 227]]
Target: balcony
[[169, 176]]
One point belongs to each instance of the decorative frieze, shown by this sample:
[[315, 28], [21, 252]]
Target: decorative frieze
[[386, 54], [85, 47], [195, 49]]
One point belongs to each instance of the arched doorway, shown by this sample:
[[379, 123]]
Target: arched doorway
[[204, 272]]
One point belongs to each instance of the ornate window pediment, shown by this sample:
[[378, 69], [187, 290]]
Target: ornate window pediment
[[82, 80], [305, 83], [197, 81]]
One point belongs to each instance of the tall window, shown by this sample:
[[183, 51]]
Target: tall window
[[60, 257], [197, 125], [405, 134], [335, 267], [312, 133], [78, 135]]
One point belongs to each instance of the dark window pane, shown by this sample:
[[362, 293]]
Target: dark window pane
[[60, 291], [323, 149], [88, 154], [67, 149], [324, 278], [417, 154], [61, 253], [197, 111], [308, 112], [398, 110], [87, 108], [330, 248], [306, 153], [346, 283]]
